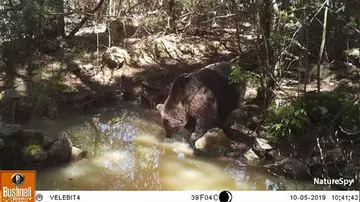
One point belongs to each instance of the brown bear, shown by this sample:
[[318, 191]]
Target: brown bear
[[204, 97]]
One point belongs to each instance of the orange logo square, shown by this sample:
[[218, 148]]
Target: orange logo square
[[17, 185]]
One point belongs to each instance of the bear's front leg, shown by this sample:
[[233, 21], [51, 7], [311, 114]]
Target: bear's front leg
[[194, 136], [201, 127]]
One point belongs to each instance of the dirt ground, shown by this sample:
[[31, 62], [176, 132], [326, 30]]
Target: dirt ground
[[155, 61]]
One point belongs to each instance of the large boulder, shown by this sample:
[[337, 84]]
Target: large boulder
[[251, 158], [290, 167], [239, 125], [216, 143], [115, 57], [61, 149]]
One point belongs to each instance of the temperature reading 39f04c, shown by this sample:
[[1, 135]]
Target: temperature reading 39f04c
[[204, 197], [224, 196]]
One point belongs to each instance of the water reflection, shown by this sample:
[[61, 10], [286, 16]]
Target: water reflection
[[131, 155]]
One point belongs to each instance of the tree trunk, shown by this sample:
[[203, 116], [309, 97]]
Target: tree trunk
[[322, 46], [60, 19], [266, 19], [172, 14]]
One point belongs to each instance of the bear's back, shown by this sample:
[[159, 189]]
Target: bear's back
[[222, 68], [215, 77]]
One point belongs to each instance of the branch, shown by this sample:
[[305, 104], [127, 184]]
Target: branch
[[85, 19], [133, 6]]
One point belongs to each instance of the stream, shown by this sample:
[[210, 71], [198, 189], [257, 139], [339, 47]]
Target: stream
[[129, 153]]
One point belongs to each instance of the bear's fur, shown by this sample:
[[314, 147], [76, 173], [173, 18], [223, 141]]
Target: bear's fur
[[204, 97]]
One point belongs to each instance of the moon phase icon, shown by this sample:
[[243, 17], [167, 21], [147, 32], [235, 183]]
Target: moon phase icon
[[230, 196], [225, 196]]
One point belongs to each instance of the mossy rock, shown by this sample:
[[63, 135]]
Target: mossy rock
[[36, 153], [31, 149], [30, 137]]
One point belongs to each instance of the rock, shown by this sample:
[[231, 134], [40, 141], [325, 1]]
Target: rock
[[2, 143], [273, 155], [115, 57], [251, 157], [238, 126], [261, 146], [31, 137], [239, 146], [334, 155], [234, 154], [290, 167], [36, 153], [331, 156], [77, 154], [8, 95], [47, 142], [9, 129], [61, 149], [236, 116], [31, 149], [314, 161], [348, 172], [214, 142]]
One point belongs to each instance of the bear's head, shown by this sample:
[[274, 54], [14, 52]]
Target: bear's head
[[173, 112], [173, 119]]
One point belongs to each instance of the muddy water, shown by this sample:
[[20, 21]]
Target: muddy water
[[130, 153]]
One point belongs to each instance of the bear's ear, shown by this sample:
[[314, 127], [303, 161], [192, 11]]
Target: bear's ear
[[184, 78], [180, 82], [159, 107]]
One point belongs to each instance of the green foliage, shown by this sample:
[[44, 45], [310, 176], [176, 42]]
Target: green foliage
[[26, 18], [287, 120], [238, 74], [313, 110], [353, 22]]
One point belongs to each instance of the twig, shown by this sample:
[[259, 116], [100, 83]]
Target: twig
[[348, 133], [222, 16]]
